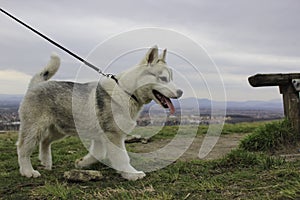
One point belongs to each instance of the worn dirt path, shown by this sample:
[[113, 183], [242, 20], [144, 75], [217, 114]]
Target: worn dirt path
[[223, 146]]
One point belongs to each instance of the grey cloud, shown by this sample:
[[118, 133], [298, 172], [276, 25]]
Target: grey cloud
[[267, 29]]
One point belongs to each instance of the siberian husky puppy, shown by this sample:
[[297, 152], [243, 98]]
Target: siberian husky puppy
[[48, 112]]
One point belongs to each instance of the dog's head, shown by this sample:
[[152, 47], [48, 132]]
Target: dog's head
[[154, 80]]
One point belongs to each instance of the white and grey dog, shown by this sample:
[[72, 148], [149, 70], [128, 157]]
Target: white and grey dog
[[52, 110]]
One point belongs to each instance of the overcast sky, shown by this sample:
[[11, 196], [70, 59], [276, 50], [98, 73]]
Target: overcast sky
[[241, 37]]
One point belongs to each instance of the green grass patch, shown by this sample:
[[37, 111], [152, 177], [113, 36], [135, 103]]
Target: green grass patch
[[245, 159], [169, 132], [241, 128], [239, 175], [270, 137]]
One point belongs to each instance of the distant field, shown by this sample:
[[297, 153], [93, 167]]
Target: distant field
[[237, 175]]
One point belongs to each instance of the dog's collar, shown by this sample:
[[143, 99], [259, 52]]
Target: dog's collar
[[131, 95], [128, 93]]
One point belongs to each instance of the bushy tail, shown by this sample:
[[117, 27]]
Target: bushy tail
[[47, 72]]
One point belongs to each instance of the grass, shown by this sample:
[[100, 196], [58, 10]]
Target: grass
[[242, 128], [239, 175], [270, 137], [168, 132]]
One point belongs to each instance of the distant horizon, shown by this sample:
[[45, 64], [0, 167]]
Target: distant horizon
[[268, 100]]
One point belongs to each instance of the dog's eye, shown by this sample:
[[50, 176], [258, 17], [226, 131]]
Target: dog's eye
[[164, 79]]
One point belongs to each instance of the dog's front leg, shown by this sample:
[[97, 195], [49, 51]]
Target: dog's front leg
[[119, 159], [96, 153]]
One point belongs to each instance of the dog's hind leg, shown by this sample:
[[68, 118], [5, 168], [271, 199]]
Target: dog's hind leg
[[28, 139], [45, 155], [96, 153], [119, 159]]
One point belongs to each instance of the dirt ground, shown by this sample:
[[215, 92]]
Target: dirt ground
[[225, 143], [223, 146]]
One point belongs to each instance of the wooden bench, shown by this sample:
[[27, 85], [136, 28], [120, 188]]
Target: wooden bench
[[287, 87]]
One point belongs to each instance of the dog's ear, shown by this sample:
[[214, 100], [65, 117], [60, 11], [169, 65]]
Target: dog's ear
[[151, 56], [162, 57]]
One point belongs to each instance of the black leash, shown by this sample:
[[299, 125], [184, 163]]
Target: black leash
[[60, 46], [69, 52]]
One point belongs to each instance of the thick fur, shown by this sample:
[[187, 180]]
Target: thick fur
[[47, 72], [103, 112]]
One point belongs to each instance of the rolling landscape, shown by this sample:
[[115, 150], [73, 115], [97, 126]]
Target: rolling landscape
[[188, 111]]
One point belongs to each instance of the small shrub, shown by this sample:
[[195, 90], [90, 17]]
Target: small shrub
[[270, 137]]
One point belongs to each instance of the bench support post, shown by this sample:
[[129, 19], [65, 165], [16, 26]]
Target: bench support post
[[291, 105]]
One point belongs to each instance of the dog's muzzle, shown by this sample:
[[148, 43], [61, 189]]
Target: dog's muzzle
[[165, 102]]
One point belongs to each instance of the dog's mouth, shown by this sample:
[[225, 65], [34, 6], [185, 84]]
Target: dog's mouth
[[164, 101]]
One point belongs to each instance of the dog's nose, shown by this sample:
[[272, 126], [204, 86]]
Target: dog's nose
[[179, 93]]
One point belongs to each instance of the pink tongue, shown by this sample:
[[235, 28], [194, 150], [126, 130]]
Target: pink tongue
[[171, 106]]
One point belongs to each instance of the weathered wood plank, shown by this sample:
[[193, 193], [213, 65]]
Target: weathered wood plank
[[261, 80]]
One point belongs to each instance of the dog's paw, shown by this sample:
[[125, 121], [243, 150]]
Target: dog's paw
[[79, 163], [85, 162], [133, 176], [47, 166], [82, 163], [30, 173]]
